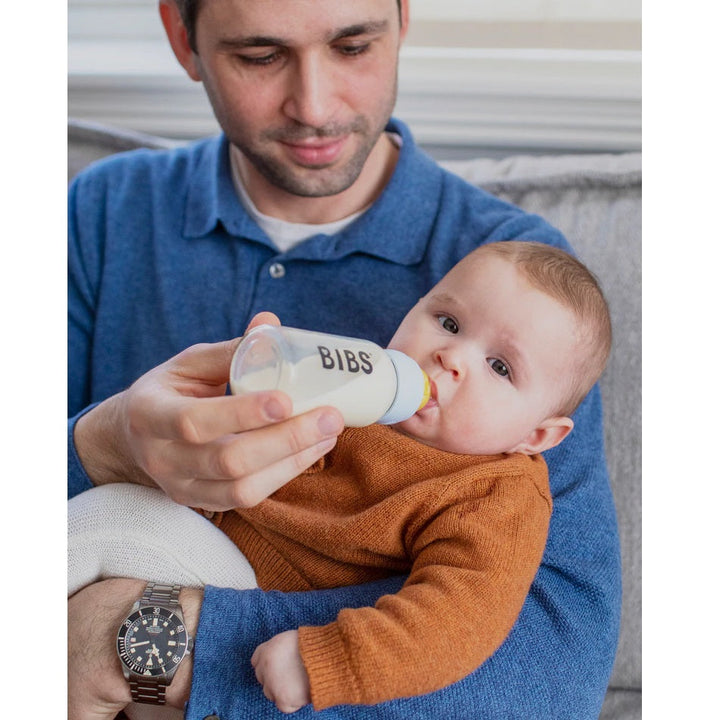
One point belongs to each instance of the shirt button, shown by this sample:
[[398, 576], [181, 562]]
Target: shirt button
[[209, 514], [277, 270]]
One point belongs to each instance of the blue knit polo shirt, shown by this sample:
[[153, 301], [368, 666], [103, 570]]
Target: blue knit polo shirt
[[162, 255]]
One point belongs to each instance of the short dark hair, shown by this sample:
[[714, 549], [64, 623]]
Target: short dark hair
[[189, 10]]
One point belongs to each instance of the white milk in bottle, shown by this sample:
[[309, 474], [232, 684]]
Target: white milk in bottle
[[363, 381]]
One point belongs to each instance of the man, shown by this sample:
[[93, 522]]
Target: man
[[318, 207]]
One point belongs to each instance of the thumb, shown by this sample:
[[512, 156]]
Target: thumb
[[210, 362], [263, 318], [205, 362]]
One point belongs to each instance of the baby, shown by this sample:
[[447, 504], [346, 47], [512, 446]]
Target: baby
[[456, 497]]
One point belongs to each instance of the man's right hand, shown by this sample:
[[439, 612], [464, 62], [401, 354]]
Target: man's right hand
[[176, 429]]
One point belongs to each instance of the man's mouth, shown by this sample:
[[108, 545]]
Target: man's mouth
[[315, 151]]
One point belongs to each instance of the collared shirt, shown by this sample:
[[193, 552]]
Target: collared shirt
[[163, 255]]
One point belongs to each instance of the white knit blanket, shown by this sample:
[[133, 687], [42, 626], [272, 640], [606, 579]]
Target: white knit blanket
[[124, 530]]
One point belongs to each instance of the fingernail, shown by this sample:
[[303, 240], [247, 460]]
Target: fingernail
[[274, 410], [329, 424]]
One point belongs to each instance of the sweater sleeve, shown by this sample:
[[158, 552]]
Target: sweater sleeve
[[476, 548]]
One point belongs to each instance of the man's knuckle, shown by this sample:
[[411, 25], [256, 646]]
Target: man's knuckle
[[296, 440], [230, 463], [242, 495], [187, 429], [301, 462]]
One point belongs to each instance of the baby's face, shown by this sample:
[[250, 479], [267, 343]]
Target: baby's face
[[499, 354]]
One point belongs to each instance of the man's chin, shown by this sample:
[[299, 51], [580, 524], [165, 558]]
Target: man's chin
[[313, 182]]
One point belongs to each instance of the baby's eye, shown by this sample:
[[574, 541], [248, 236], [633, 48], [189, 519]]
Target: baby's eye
[[499, 367], [449, 324]]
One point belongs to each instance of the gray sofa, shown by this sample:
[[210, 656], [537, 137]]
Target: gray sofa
[[596, 201]]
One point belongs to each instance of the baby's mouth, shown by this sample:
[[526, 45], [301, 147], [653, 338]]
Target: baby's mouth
[[433, 399]]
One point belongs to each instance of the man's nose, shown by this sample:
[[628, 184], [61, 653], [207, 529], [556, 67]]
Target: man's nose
[[310, 93]]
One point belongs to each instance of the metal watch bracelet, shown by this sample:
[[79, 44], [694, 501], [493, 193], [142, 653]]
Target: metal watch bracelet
[[151, 690]]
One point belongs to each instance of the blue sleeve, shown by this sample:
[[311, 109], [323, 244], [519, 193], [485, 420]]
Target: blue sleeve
[[84, 249], [78, 479], [554, 665], [80, 322]]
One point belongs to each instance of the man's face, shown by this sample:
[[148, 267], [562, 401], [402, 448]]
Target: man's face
[[303, 88], [499, 354]]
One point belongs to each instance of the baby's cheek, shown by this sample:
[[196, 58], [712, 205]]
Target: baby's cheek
[[465, 436]]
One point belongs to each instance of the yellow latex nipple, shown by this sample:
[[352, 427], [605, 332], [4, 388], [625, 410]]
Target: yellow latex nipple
[[426, 392]]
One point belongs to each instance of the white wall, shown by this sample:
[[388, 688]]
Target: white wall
[[476, 75], [524, 10]]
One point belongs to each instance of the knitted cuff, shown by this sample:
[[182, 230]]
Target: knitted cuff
[[332, 681]]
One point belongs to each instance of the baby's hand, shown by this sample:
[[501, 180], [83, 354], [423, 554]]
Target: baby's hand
[[280, 670]]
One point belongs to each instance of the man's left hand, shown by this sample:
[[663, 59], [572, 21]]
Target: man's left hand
[[97, 689]]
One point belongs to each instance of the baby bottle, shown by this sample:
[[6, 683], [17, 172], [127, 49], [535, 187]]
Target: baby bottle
[[363, 381]]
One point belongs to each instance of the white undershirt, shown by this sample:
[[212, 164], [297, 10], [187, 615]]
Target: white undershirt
[[283, 233]]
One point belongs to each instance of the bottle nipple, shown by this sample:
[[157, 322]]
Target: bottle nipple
[[426, 391], [413, 389]]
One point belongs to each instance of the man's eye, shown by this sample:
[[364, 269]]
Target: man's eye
[[266, 59], [499, 367], [353, 50], [448, 324]]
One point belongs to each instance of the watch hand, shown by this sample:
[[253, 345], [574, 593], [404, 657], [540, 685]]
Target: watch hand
[[138, 644]]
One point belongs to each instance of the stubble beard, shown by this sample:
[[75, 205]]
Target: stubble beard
[[317, 181]]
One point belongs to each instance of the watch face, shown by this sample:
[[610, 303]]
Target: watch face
[[152, 641]]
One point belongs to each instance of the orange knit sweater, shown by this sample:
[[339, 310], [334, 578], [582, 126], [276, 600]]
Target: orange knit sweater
[[469, 530]]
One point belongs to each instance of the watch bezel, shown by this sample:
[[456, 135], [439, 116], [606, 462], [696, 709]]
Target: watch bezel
[[152, 610]]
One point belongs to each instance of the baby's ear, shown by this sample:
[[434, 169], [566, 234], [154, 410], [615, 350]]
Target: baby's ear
[[548, 434]]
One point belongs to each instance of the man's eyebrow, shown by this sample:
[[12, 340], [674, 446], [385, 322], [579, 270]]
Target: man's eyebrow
[[250, 41], [366, 28]]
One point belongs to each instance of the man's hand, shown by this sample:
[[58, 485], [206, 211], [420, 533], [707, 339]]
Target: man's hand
[[96, 686], [97, 689], [176, 428], [280, 670]]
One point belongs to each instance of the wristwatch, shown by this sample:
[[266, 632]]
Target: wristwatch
[[152, 642]]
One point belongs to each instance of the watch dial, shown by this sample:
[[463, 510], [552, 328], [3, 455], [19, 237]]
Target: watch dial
[[152, 641]]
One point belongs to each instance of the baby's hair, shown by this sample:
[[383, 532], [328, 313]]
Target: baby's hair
[[565, 279]]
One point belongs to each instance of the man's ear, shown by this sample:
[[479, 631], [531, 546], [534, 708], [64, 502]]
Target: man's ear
[[404, 19], [177, 35], [548, 434]]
